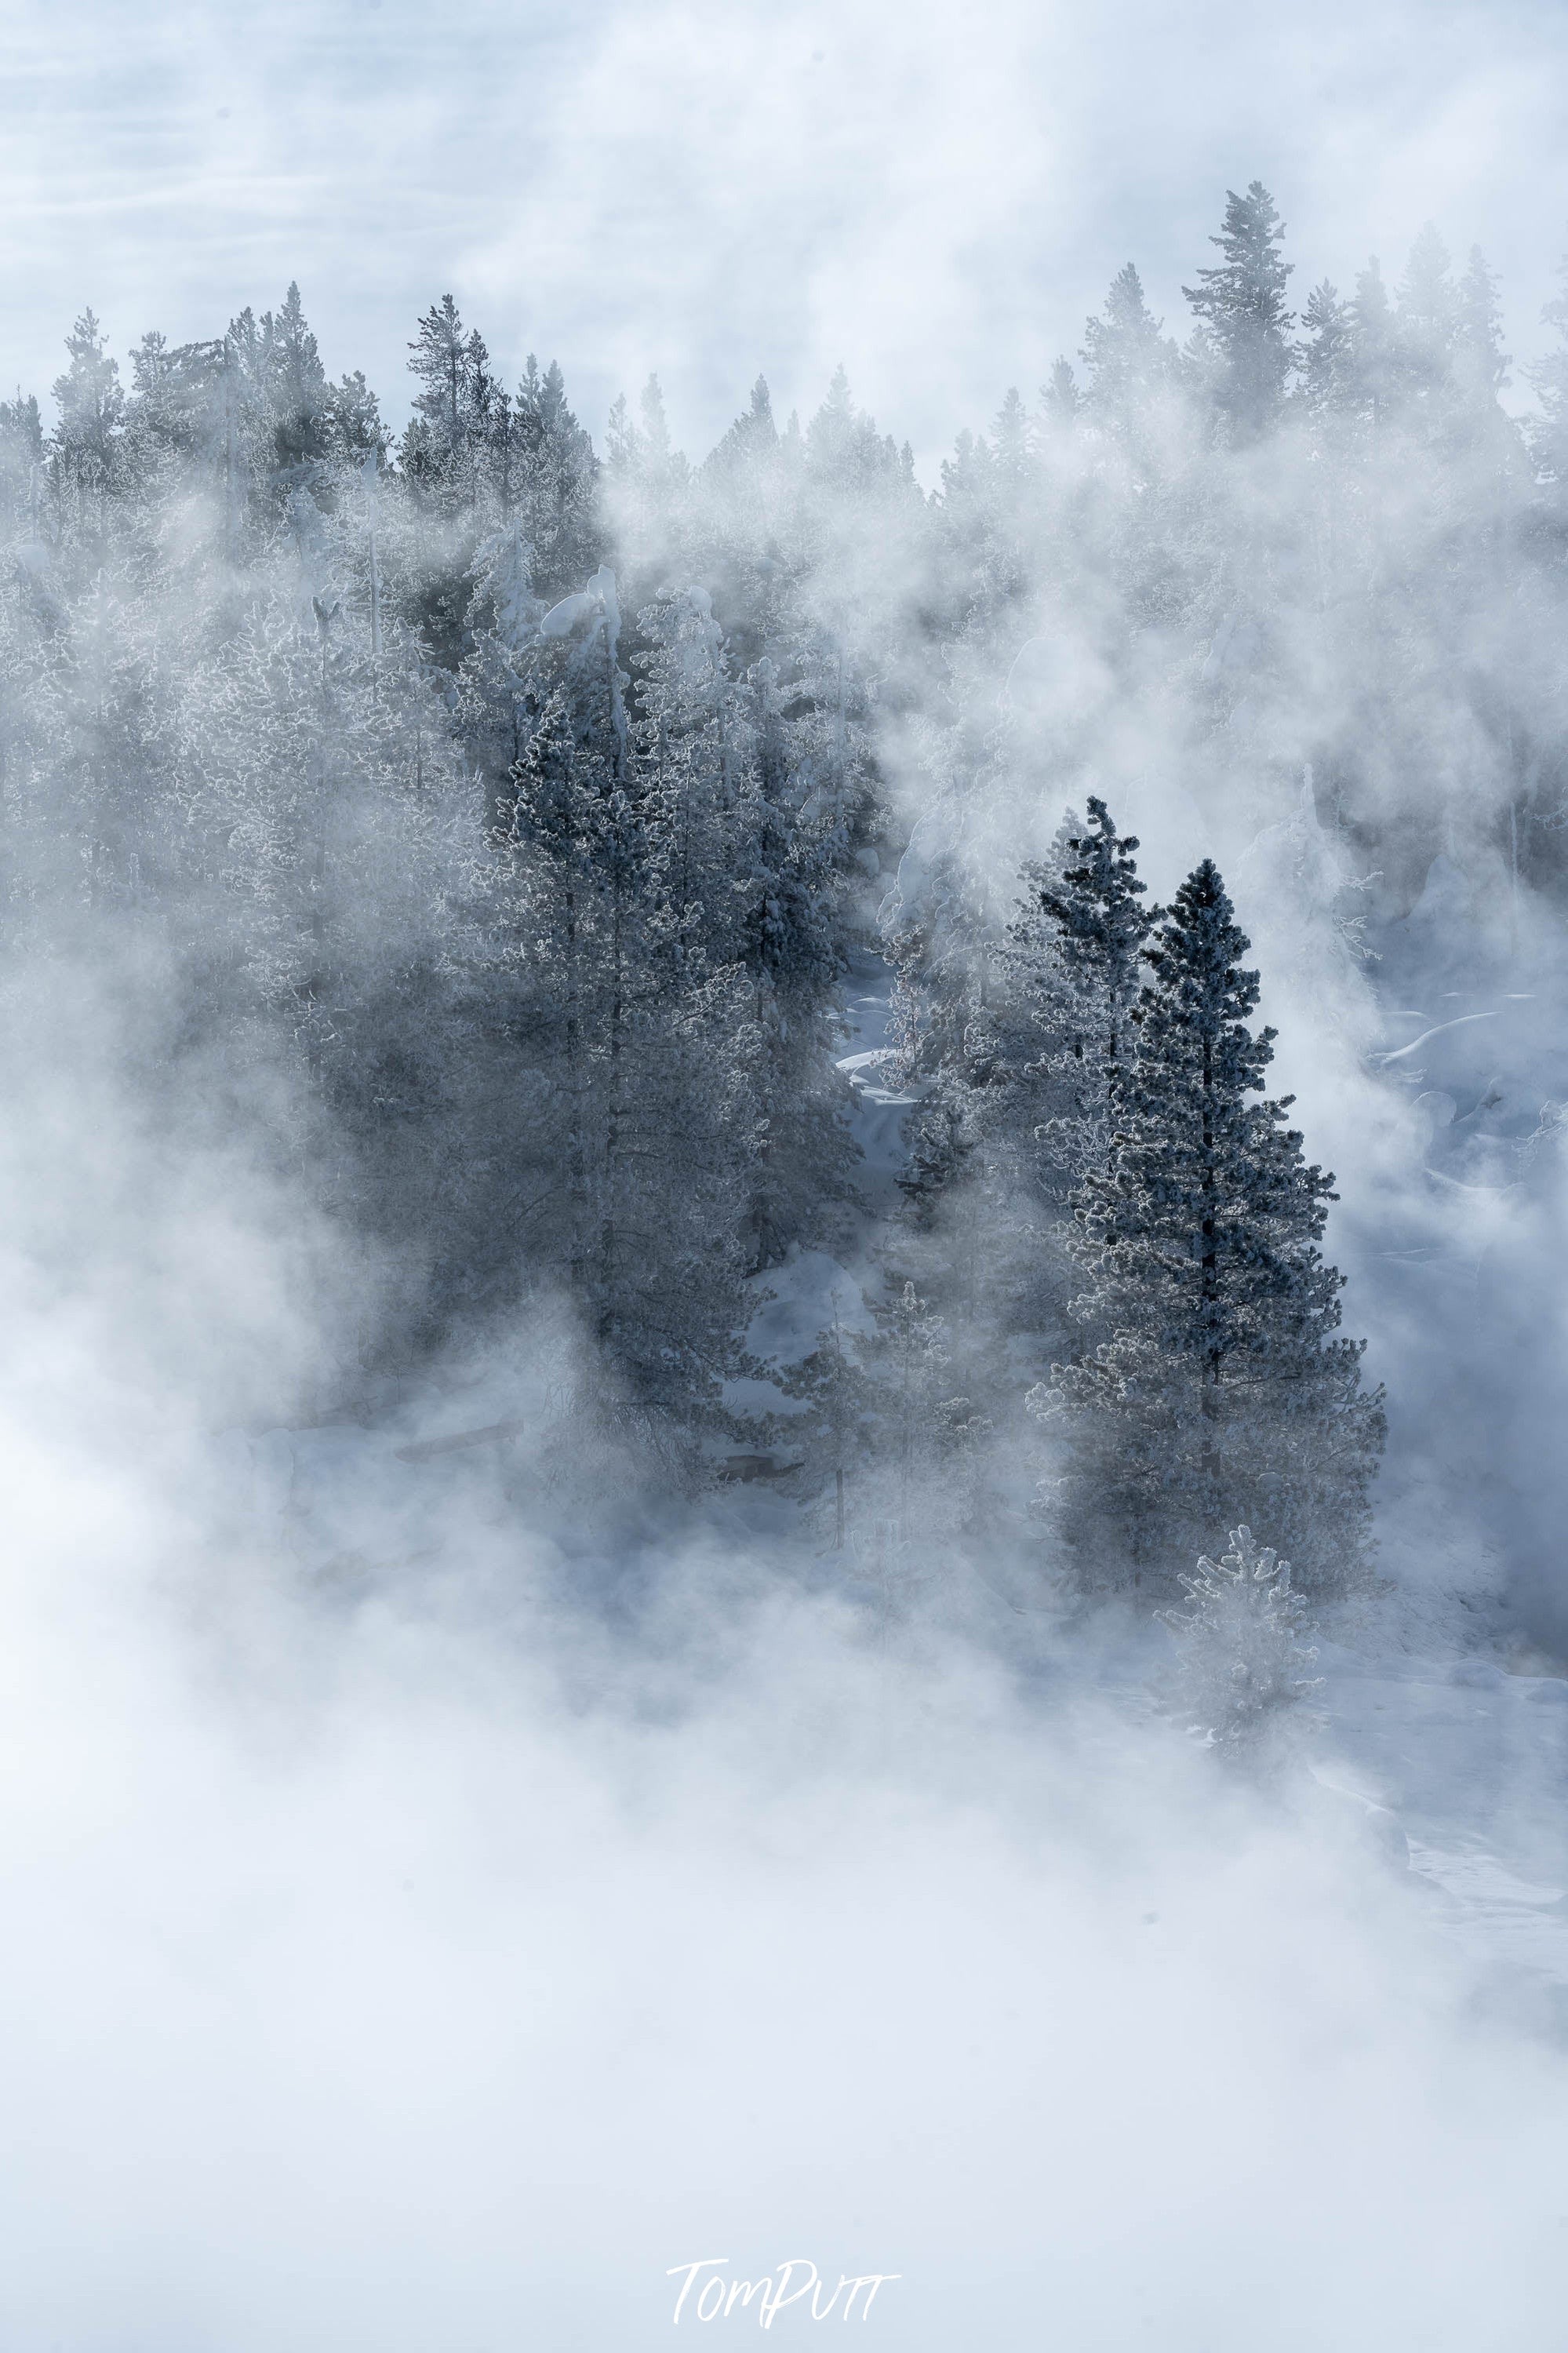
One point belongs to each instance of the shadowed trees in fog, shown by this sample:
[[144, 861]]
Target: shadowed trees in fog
[[505, 817]]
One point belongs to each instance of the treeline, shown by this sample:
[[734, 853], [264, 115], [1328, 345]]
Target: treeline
[[501, 816]]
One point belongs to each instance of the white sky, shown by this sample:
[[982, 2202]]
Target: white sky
[[935, 196]]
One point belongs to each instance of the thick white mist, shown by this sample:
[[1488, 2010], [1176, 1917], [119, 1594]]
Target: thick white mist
[[436, 1969]]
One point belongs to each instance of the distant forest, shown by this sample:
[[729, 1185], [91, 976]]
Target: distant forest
[[488, 828]]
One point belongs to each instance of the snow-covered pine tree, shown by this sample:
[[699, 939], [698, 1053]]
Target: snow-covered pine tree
[[452, 366], [1327, 367], [88, 447], [1129, 359], [557, 486], [1243, 1663], [751, 442], [499, 693], [1076, 953], [1061, 400], [1215, 1387], [1242, 304], [299, 402], [1016, 1114], [624, 1029]]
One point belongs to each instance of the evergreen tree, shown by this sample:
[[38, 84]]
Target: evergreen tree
[[628, 1035], [556, 494], [1242, 304], [1084, 996], [88, 439], [1130, 359], [1328, 358], [1061, 399], [752, 440], [452, 366], [354, 415], [1214, 1382], [297, 398], [173, 407]]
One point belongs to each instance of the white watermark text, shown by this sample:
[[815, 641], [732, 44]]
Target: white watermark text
[[720, 2298]]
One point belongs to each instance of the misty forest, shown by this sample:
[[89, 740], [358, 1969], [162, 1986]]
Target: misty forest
[[700, 899], [651, 1062]]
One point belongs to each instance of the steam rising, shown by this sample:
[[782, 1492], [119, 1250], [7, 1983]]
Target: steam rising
[[475, 1837]]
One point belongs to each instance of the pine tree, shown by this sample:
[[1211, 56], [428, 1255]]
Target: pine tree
[[1242, 303], [88, 439], [1326, 357], [354, 415], [1129, 358], [1061, 399], [297, 398], [751, 442], [452, 366], [1084, 996], [1011, 1124], [628, 1027], [1214, 1386], [557, 494]]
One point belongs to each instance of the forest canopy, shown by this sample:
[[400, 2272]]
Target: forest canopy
[[497, 829]]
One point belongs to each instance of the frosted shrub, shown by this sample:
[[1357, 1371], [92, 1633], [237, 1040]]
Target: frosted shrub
[[1241, 1660]]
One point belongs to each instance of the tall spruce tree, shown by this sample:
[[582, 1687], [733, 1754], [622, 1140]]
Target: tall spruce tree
[[1327, 364], [1129, 357], [1100, 933], [1213, 1388], [1242, 303], [299, 400], [89, 439]]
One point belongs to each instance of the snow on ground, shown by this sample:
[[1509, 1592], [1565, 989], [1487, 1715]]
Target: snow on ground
[[878, 1115], [1470, 1761]]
